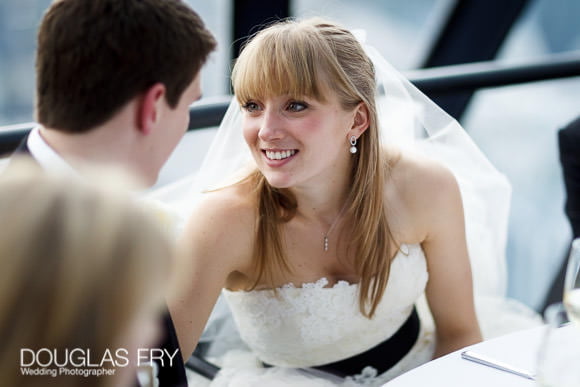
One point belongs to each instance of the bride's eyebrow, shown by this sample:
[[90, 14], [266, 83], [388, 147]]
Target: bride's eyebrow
[[245, 101]]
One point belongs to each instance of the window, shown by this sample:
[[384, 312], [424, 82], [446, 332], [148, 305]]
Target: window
[[402, 31], [516, 127], [217, 15], [18, 25]]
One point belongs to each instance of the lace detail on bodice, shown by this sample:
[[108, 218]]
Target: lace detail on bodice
[[313, 324]]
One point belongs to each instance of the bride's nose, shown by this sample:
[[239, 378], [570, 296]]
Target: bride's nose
[[271, 127]]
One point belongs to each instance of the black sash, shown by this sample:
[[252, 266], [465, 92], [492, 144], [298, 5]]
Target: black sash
[[381, 357]]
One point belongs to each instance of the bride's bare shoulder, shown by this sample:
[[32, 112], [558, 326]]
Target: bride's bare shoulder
[[234, 205], [416, 175], [418, 189], [223, 222]]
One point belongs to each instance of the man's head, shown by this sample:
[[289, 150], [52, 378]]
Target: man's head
[[94, 56]]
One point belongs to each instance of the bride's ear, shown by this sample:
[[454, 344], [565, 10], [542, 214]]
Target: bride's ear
[[361, 120]]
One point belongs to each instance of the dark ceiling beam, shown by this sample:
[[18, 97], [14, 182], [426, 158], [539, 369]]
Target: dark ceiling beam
[[251, 15], [474, 32], [466, 77], [474, 76]]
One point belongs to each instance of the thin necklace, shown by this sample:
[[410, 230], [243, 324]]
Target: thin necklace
[[325, 239]]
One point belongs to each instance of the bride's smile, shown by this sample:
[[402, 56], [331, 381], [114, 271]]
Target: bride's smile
[[273, 154]]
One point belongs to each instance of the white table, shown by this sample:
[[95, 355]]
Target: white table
[[518, 349]]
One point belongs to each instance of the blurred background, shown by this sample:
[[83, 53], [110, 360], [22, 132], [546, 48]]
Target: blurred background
[[515, 126]]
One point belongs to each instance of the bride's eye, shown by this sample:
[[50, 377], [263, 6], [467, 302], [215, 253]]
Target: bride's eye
[[297, 106], [250, 106]]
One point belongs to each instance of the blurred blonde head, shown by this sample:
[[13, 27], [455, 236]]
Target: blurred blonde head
[[82, 267]]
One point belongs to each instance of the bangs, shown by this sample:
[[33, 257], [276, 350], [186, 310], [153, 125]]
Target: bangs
[[281, 62]]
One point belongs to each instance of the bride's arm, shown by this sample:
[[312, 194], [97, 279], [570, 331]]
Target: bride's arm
[[216, 243], [439, 214]]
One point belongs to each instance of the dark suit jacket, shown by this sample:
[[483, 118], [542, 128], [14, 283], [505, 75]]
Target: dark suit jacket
[[169, 376], [569, 143], [569, 147]]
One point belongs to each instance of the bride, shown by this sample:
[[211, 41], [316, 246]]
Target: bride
[[346, 243]]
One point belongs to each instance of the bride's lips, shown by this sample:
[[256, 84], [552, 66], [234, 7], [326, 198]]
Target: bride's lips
[[278, 157]]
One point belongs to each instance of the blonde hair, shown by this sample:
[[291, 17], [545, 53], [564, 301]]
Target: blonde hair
[[304, 58], [79, 264]]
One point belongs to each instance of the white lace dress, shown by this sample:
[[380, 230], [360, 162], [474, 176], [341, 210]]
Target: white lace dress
[[314, 324]]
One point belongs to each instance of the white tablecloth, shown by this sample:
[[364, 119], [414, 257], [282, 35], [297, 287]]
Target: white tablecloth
[[518, 349]]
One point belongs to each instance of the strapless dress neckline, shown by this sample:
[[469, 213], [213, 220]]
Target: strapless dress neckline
[[322, 282]]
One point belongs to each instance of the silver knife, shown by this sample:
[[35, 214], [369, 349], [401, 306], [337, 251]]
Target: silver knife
[[487, 361]]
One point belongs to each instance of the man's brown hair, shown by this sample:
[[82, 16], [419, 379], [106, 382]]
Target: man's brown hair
[[94, 56]]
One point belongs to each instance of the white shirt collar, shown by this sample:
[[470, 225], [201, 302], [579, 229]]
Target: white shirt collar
[[45, 155]]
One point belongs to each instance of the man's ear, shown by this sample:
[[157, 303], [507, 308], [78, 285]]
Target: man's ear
[[151, 108], [361, 120]]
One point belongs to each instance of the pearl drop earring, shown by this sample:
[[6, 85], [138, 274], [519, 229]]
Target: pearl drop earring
[[353, 144]]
